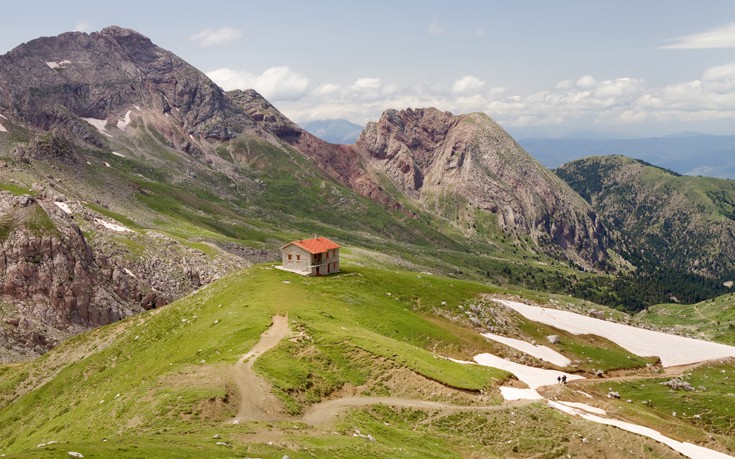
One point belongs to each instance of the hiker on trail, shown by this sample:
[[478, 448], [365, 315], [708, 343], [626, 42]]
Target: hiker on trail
[[558, 379], [564, 379]]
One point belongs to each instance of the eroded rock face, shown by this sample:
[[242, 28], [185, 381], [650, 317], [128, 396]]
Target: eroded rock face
[[49, 274], [432, 155]]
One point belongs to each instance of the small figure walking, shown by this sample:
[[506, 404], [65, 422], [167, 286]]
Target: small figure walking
[[558, 379], [564, 379]]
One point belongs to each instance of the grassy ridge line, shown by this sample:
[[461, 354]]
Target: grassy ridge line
[[699, 415], [150, 355], [713, 319]]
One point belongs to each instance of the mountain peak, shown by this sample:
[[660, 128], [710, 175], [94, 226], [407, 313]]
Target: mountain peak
[[117, 31], [436, 158]]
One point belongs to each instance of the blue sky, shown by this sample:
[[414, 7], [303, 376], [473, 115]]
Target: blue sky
[[627, 68]]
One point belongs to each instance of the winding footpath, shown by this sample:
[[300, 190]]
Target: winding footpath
[[257, 402]]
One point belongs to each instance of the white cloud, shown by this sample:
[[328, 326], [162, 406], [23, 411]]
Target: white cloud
[[366, 83], [212, 37], [720, 37], [586, 82], [583, 101], [721, 72], [275, 84], [468, 85], [327, 89]]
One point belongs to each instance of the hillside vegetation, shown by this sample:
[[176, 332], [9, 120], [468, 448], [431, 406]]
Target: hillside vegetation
[[678, 231], [161, 383], [712, 319]]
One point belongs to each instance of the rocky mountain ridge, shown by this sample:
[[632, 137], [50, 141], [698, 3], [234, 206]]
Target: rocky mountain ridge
[[680, 223], [434, 157], [103, 75], [55, 282]]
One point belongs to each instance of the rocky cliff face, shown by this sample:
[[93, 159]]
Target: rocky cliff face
[[434, 157], [55, 283], [49, 274]]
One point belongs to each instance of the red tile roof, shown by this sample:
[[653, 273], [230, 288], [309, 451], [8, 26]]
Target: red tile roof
[[315, 245]]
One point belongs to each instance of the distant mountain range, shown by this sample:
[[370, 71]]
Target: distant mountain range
[[334, 131], [685, 153]]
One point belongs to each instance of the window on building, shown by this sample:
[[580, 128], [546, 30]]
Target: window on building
[[298, 257], [289, 257]]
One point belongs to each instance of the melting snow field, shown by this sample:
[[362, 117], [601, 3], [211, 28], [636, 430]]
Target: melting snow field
[[63, 206], [98, 124], [688, 449], [534, 377], [111, 226], [515, 393], [123, 123], [671, 349], [541, 352], [2, 128], [58, 65], [118, 154]]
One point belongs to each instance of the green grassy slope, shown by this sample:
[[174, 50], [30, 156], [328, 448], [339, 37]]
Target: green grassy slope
[[712, 319], [254, 193], [160, 384], [701, 415], [677, 230], [152, 374]]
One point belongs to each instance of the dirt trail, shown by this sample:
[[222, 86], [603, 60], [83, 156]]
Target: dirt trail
[[256, 400], [326, 412]]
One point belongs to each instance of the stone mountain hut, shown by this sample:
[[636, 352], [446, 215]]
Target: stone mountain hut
[[311, 257]]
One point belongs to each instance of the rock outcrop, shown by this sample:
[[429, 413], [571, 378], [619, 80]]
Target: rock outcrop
[[49, 274], [55, 283], [469, 161]]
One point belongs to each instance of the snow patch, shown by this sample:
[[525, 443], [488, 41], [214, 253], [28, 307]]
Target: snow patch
[[98, 124], [112, 226], [129, 273], [137, 108], [58, 65], [671, 349], [585, 407], [107, 164], [63, 206], [118, 154], [515, 393], [123, 123], [2, 128], [540, 352], [534, 377], [2, 116], [687, 449]]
